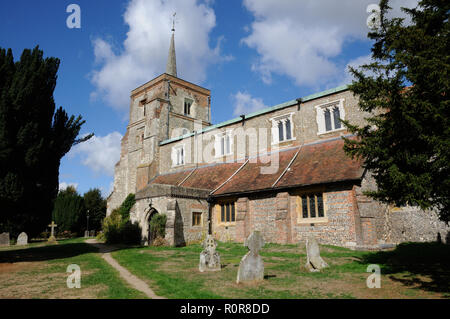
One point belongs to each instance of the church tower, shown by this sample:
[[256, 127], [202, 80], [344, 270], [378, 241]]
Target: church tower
[[161, 109]]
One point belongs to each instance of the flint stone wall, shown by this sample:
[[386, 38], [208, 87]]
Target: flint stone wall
[[178, 203]]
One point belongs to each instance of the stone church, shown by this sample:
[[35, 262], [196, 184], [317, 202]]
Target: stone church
[[280, 170]]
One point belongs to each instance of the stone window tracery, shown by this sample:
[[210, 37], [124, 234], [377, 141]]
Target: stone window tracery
[[328, 116]]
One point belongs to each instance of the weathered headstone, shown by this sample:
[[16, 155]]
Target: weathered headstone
[[4, 239], [209, 257], [251, 268], [86, 234], [22, 239], [314, 262], [52, 237]]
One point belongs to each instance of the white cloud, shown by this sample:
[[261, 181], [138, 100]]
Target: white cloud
[[300, 38], [244, 103], [145, 49], [100, 153], [356, 63], [64, 185]]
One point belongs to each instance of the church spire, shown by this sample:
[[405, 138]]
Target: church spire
[[172, 60]]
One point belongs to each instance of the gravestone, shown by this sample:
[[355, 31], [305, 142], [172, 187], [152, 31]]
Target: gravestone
[[314, 262], [4, 239], [86, 234], [92, 233], [251, 267], [209, 257], [22, 239]]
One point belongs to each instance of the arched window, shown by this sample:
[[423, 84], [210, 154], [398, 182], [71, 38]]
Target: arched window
[[282, 129], [329, 116]]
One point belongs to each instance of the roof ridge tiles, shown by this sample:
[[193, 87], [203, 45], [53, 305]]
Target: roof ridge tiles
[[288, 166], [229, 178]]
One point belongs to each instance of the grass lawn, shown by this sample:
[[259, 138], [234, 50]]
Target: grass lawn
[[38, 270], [410, 271]]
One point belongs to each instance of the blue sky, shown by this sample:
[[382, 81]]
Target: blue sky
[[251, 54]]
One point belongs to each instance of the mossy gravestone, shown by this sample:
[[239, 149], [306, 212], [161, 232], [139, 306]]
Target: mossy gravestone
[[22, 239], [314, 262], [209, 257], [4, 239], [251, 268]]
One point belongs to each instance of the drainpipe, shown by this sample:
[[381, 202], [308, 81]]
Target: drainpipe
[[168, 108], [209, 109], [210, 201], [299, 100], [196, 149]]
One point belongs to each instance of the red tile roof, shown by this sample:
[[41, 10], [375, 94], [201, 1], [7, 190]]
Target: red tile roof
[[251, 177], [171, 179], [211, 176], [316, 163], [320, 163]]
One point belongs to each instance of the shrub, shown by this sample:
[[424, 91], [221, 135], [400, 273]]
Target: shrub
[[44, 235], [111, 227], [100, 236], [117, 229], [158, 226], [66, 234]]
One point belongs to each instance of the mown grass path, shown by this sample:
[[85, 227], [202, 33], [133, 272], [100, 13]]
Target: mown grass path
[[134, 281]]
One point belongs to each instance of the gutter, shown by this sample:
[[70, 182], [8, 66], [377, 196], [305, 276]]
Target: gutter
[[270, 189]]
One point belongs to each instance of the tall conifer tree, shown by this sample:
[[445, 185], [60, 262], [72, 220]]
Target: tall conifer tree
[[34, 136], [406, 144]]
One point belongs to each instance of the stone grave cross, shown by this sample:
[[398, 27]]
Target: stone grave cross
[[254, 243], [209, 257], [52, 236]]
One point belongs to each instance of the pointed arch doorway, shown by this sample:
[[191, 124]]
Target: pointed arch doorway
[[151, 213]]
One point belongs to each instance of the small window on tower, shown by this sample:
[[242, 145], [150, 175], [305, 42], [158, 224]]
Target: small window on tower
[[187, 106]]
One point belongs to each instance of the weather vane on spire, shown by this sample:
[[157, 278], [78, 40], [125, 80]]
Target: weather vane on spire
[[173, 23]]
